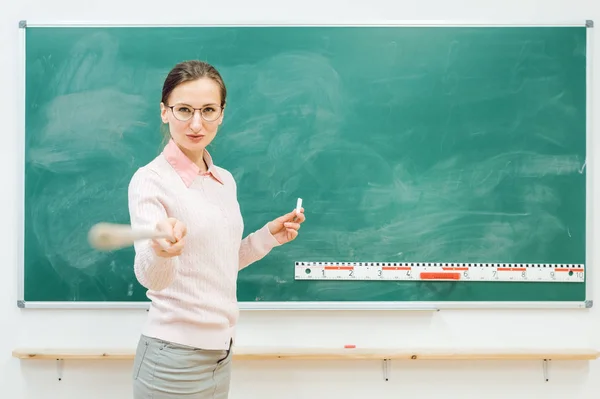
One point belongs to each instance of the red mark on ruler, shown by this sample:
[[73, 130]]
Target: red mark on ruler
[[440, 276], [339, 267]]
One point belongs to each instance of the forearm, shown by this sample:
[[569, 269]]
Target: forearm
[[153, 272], [256, 246], [146, 209]]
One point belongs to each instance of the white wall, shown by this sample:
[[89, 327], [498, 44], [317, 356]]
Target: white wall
[[291, 380]]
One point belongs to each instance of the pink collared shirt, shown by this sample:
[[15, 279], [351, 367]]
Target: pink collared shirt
[[188, 170], [193, 295]]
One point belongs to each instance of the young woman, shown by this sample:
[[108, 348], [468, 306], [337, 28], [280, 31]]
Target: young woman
[[185, 347]]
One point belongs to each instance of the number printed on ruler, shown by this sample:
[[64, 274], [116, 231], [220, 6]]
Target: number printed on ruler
[[421, 271]]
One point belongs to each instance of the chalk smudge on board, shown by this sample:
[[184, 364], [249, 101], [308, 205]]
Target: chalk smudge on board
[[84, 149]]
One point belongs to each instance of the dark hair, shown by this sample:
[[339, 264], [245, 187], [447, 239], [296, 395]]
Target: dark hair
[[192, 70]]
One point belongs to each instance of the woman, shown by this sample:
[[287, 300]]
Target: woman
[[184, 349]]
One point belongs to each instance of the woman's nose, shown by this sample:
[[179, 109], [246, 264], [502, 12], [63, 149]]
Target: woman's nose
[[196, 122]]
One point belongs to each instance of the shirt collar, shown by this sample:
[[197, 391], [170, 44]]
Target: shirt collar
[[185, 168]]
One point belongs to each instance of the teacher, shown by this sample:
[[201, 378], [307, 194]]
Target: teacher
[[185, 347]]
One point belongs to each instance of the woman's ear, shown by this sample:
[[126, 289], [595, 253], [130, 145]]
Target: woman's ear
[[163, 113], [222, 115]]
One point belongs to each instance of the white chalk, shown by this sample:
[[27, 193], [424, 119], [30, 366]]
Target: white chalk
[[298, 206], [109, 236]]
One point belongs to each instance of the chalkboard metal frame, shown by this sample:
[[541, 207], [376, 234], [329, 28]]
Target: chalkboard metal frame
[[249, 306]]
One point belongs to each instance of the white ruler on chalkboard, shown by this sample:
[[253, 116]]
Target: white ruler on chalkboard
[[420, 271]]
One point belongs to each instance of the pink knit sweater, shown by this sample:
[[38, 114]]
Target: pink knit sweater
[[193, 295]]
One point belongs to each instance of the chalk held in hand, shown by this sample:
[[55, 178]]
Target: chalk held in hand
[[298, 206], [110, 236]]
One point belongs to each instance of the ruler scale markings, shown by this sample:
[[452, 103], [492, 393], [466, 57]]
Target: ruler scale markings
[[440, 271]]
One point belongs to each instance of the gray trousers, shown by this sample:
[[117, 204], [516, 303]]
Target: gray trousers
[[164, 370]]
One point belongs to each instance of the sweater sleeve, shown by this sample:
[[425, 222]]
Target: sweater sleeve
[[256, 246], [145, 211]]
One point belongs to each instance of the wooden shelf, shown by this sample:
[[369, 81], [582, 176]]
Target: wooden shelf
[[267, 353], [386, 355]]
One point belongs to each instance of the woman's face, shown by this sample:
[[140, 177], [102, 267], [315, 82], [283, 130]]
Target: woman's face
[[193, 130]]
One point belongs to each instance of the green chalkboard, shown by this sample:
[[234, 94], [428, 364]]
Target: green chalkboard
[[422, 144]]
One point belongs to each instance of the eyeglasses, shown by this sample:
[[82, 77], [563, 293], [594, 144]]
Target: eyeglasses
[[209, 113]]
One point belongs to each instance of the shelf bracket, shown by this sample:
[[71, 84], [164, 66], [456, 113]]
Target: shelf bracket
[[386, 369], [545, 369], [59, 368]]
